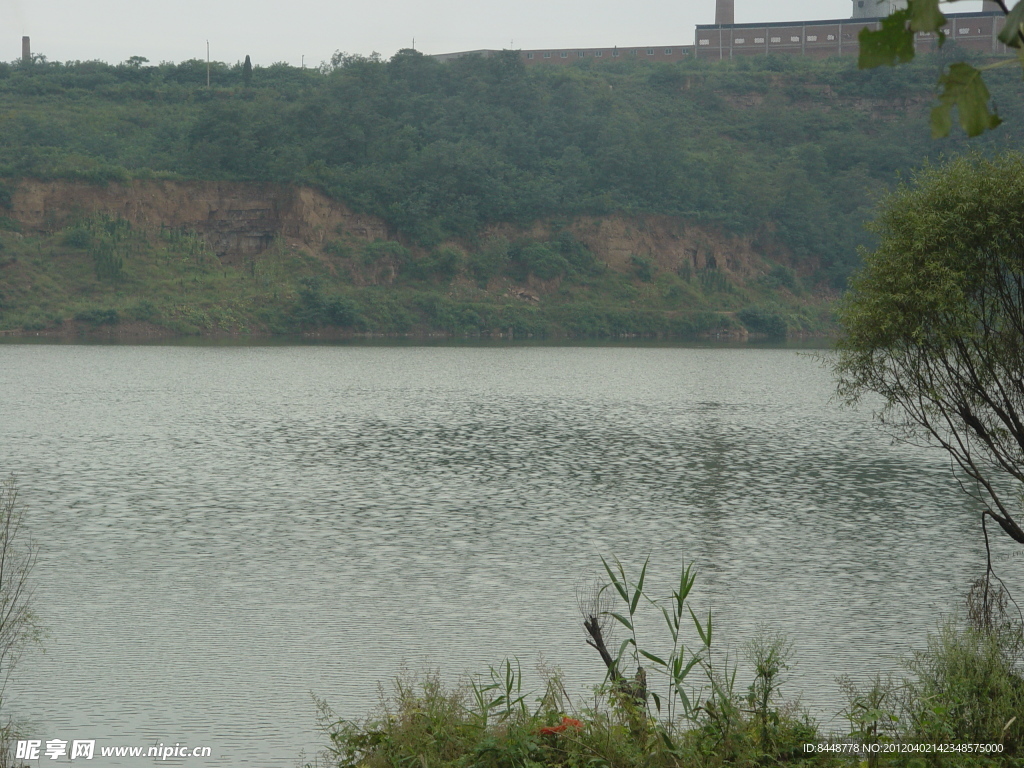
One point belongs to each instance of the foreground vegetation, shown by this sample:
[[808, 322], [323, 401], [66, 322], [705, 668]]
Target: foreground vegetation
[[965, 687]]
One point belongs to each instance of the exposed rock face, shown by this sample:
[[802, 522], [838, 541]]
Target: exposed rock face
[[237, 219], [242, 219], [670, 242]]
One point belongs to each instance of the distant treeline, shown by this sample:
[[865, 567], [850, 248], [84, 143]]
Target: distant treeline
[[786, 149]]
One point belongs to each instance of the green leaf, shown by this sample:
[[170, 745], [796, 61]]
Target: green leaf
[[615, 581], [925, 16], [687, 706], [622, 649], [665, 737], [888, 46], [673, 623], [626, 622], [1012, 32], [680, 676], [963, 88], [639, 587], [941, 121], [657, 700], [652, 657], [686, 580], [704, 637]]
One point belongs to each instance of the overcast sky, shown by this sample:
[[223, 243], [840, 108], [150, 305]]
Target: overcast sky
[[311, 30]]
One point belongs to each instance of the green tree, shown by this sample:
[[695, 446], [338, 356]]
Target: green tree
[[247, 71], [934, 323]]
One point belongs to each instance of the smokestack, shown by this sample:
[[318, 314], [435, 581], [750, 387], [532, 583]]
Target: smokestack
[[725, 12], [26, 50]]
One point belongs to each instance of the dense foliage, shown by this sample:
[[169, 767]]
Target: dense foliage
[[784, 148], [934, 325]]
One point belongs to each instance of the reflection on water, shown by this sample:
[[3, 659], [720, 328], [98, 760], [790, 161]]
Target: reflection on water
[[225, 530]]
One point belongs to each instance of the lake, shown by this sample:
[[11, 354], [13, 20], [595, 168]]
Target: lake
[[224, 531]]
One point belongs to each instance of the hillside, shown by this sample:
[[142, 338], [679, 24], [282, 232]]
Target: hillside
[[472, 197], [150, 257]]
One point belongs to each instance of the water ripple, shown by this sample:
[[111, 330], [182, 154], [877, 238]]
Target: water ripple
[[225, 530]]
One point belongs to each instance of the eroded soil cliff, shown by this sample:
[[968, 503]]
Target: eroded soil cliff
[[242, 219]]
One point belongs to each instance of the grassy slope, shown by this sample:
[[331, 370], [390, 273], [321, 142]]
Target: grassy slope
[[97, 273]]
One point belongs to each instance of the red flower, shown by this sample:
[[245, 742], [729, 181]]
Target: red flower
[[566, 723]]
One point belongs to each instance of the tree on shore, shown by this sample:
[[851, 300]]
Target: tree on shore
[[19, 625], [934, 324]]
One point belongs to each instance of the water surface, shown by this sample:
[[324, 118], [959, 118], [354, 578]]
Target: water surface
[[225, 530]]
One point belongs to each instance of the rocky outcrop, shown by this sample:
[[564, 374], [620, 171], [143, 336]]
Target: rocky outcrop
[[236, 219], [671, 243], [242, 219]]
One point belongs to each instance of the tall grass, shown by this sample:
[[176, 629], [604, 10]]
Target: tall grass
[[965, 687], [689, 713]]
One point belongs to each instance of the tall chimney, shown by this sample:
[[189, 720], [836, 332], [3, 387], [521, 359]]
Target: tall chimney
[[26, 50], [725, 12]]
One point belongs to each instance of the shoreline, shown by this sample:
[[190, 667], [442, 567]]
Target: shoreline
[[136, 333]]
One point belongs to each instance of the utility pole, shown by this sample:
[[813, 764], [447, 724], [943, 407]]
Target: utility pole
[[207, 63]]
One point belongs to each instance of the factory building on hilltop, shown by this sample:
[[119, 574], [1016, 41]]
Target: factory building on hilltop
[[725, 39], [564, 56]]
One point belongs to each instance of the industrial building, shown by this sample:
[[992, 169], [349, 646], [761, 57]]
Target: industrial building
[[725, 39]]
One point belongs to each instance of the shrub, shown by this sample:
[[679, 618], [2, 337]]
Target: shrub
[[643, 269], [713, 281], [146, 311], [314, 309], [443, 265], [538, 259], [579, 258], [444, 314], [764, 321], [967, 688], [108, 263], [489, 261], [782, 276], [77, 237], [873, 711], [385, 251], [98, 316], [338, 249]]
